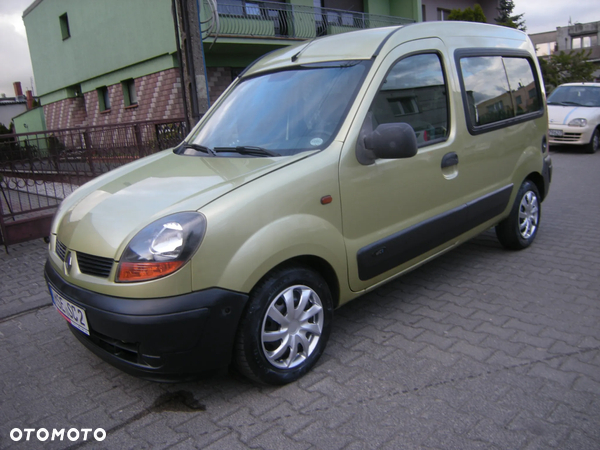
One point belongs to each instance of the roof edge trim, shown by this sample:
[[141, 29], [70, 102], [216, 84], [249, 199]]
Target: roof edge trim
[[387, 38], [31, 7]]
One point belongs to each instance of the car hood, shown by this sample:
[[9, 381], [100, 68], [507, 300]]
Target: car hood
[[103, 215], [562, 115]]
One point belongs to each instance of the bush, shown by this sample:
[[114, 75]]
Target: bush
[[468, 15]]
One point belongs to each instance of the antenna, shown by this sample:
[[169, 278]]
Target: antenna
[[297, 55]]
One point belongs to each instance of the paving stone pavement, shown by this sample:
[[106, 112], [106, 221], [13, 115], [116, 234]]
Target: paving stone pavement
[[480, 349]]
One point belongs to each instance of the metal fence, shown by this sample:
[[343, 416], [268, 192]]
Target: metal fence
[[283, 20], [38, 170]]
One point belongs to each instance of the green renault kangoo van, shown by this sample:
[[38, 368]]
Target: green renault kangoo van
[[326, 169]]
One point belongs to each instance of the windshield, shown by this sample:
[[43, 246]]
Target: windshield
[[285, 112], [575, 96]]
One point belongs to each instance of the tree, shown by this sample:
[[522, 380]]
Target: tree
[[506, 18], [4, 130], [468, 15], [564, 67]]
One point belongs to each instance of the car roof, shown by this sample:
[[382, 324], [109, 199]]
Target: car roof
[[585, 83], [367, 44]]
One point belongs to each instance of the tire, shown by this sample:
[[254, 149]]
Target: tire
[[285, 327], [520, 228], [594, 144]]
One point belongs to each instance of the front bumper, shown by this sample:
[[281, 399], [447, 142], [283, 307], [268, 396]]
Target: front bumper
[[570, 135], [547, 175], [160, 339]]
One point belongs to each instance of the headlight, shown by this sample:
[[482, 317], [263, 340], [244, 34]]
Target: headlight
[[162, 247], [578, 123]]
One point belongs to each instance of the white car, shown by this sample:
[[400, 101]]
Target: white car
[[574, 115]]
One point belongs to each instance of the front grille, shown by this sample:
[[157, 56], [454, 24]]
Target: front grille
[[567, 137], [94, 265], [61, 250]]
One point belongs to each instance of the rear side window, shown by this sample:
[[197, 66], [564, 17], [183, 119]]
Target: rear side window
[[498, 90], [414, 92]]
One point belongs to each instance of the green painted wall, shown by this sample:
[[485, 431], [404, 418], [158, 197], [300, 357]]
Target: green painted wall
[[54, 96], [138, 70], [158, 64], [381, 7], [301, 2], [406, 8], [106, 35], [34, 119], [410, 9]]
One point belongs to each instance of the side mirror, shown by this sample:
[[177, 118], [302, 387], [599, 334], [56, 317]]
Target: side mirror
[[387, 141], [392, 141]]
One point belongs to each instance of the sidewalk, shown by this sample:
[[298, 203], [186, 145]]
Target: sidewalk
[[21, 270]]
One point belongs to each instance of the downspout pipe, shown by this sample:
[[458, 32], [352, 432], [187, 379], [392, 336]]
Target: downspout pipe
[[190, 62], [203, 55], [180, 60]]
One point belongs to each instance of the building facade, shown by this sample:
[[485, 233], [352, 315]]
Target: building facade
[[14, 106], [226, 47], [575, 37], [109, 62], [106, 62], [11, 107]]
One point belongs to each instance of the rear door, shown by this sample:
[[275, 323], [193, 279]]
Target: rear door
[[504, 114]]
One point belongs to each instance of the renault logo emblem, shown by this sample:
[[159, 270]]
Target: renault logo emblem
[[68, 263]]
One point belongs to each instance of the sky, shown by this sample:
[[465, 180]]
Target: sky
[[15, 64]]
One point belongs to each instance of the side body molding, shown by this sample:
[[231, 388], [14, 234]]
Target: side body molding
[[392, 251]]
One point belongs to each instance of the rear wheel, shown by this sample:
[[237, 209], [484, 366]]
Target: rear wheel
[[519, 229], [285, 327], [594, 144]]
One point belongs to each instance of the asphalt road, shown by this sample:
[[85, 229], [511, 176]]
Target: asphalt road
[[480, 349]]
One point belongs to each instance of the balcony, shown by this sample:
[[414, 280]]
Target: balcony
[[257, 19]]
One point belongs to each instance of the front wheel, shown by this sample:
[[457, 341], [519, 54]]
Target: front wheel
[[519, 229], [285, 327], [594, 144]]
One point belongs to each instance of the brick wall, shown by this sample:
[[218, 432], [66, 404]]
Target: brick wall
[[219, 79], [159, 97], [68, 113]]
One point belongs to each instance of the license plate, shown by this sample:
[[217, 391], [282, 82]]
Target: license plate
[[72, 313], [555, 133]]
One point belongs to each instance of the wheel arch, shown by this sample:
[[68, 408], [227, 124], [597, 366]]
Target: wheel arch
[[518, 230], [320, 266], [590, 146], [538, 180], [251, 356], [248, 258]]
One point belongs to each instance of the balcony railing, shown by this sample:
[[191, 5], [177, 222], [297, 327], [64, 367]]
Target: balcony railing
[[240, 18]]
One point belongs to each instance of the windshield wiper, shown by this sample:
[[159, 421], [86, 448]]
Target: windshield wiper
[[246, 150], [566, 103], [199, 148], [241, 149]]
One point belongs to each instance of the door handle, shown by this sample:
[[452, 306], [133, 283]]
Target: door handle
[[449, 159]]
